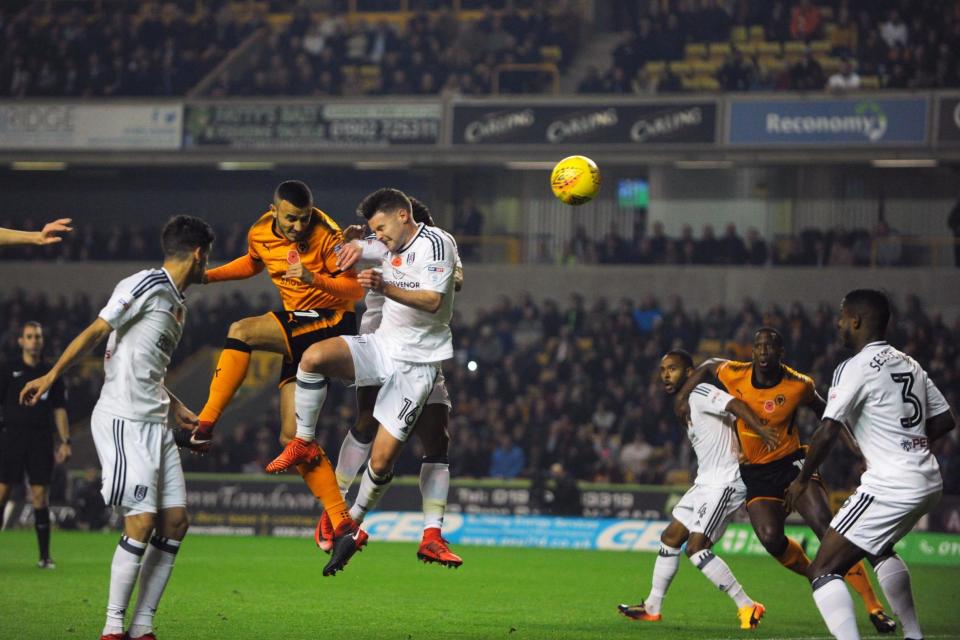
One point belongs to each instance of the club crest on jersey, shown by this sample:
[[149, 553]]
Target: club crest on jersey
[[396, 261], [139, 492], [780, 399], [411, 257]]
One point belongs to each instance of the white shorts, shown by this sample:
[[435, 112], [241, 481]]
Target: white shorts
[[707, 509], [404, 386], [875, 521], [140, 464]]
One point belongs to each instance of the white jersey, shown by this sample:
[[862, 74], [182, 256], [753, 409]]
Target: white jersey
[[146, 312], [426, 263], [713, 432], [885, 398], [373, 252]]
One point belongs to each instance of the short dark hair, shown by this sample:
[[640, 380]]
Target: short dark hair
[[30, 323], [183, 234], [684, 356], [295, 192], [421, 212], [872, 304], [773, 332], [387, 200]]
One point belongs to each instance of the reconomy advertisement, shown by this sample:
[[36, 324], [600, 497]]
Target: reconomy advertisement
[[843, 122]]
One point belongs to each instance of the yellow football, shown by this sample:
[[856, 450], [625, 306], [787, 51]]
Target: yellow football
[[575, 180]]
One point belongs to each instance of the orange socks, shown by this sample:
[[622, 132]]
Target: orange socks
[[229, 375], [794, 558], [322, 481], [858, 579]]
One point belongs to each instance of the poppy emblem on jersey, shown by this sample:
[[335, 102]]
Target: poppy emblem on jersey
[[769, 406], [396, 261], [140, 492], [293, 257], [780, 400], [303, 246], [411, 257]]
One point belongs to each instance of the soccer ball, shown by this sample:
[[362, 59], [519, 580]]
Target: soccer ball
[[575, 180]]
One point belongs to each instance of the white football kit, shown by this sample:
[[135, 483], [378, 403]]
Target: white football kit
[[718, 492], [403, 354], [885, 398], [140, 463]]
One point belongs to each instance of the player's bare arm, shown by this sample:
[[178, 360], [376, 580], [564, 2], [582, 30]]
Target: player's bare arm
[[90, 337], [820, 444], [429, 301], [457, 278], [62, 423], [50, 234], [941, 424], [740, 409]]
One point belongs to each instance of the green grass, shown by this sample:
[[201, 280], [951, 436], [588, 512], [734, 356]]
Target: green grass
[[272, 588]]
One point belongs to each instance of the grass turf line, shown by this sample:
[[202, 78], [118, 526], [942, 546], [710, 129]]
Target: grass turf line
[[272, 588]]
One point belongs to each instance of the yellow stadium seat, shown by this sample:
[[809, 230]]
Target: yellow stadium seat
[[655, 66], [869, 82], [708, 83], [830, 65], [829, 29], [773, 64], [705, 67], [757, 33], [370, 71], [681, 67], [738, 34], [794, 48], [748, 48], [768, 48], [695, 49], [719, 48], [820, 46], [551, 54]]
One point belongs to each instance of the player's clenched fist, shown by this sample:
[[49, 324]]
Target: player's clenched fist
[[348, 256], [297, 271], [34, 390], [371, 279]]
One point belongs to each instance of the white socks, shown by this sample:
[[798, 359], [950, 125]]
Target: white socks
[[836, 606], [154, 575], [717, 572], [353, 454], [123, 575], [666, 566], [310, 395], [372, 488], [894, 579], [434, 486]]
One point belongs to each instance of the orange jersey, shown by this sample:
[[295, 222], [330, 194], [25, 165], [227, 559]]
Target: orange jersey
[[318, 253], [775, 406]]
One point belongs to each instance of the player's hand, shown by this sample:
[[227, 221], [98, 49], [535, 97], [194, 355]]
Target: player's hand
[[353, 232], [185, 418], [297, 271], [796, 489], [48, 235], [349, 255], [34, 390], [63, 453], [769, 437], [371, 279]]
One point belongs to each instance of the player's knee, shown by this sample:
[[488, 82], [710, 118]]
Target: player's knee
[[772, 538], [140, 526], [312, 358], [40, 500], [239, 331], [380, 464], [696, 544], [178, 528]]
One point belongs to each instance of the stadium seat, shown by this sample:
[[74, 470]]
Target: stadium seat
[[655, 67], [830, 65], [748, 48], [695, 49], [821, 46], [739, 34], [551, 54], [757, 32], [869, 82], [769, 48], [719, 48], [706, 67], [794, 48]]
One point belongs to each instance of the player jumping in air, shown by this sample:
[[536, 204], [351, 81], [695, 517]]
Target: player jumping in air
[[297, 244], [431, 427], [895, 412], [142, 476], [402, 357], [775, 392], [702, 515]]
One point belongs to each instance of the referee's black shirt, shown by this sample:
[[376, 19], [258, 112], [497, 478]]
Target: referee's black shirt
[[13, 378]]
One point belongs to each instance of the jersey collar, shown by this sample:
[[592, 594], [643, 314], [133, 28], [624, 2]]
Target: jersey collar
[[412, 240], [878, 343], [174, 286]]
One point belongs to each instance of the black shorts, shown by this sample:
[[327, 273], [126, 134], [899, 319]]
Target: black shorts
[[26, 450], [771, 480], [302, 329]]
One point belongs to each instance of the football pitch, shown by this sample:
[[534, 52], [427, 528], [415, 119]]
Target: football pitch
[[270, 588]]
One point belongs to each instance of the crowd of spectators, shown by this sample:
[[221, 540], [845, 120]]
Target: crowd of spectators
[[811, 247], [903, 43], [105, 48], [431, 54], [539, 384]]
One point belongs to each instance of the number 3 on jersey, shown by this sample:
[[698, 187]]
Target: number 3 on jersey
[[905, 380]]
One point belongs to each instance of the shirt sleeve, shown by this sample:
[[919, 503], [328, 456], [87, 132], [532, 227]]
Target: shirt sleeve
[[372, 251], [126, 302], [936, 403], [252, 247], [710, 399], [845, 396], [437, 270], [331, 251]]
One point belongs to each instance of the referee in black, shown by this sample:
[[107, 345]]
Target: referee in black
[[26, 434]]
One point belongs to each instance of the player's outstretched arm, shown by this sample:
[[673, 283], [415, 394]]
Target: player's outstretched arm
[[820, 444], [47, 235], [739, 408], [708, 368], [78, 347], [941, 424], [240, 269], [458, 278]]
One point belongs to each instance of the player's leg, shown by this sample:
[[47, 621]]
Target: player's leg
[[4, 497], [13, 454], [833, 560], [375, 482], [664, 569], [767, 516], [39, 495], [431, 429], [264, 333], [814, 508], [125, 567]]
